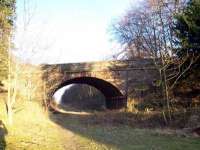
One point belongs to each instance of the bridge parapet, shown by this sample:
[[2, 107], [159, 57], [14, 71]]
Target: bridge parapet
[[104, 65]]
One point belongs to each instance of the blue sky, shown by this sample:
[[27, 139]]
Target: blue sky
[[63, 31]]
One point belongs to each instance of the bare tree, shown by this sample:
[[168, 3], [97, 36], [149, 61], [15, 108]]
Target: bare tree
[[14, 67], [147, 32]]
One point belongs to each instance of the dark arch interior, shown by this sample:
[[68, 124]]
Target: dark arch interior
[[114, 98], [81, 97]]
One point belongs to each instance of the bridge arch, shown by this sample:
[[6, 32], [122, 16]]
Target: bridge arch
[[114, 98]]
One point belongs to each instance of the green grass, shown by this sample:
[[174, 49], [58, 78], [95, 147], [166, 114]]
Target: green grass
[[35, 130], [106, 136]]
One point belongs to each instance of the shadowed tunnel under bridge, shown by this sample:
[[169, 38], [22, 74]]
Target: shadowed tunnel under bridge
[[113, 97]]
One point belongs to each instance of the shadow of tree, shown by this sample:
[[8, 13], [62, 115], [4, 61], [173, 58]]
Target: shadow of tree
[[113, 128], [3, 133]]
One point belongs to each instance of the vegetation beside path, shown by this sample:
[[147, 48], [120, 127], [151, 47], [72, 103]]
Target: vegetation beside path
[[100, 131]]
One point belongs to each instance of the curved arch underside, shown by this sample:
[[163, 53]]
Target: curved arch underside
[[114, 98]]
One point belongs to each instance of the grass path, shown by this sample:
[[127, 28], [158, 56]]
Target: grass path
[[34, 130]]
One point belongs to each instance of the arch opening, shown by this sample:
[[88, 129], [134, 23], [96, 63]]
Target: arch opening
[[80, 97], [114, 99]]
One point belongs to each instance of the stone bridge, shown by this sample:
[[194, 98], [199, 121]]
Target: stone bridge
[[116, 80]]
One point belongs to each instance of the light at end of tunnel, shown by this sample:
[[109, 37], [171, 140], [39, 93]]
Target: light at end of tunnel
[[57, 97]]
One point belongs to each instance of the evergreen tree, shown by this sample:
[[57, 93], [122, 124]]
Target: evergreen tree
[[187, 29]]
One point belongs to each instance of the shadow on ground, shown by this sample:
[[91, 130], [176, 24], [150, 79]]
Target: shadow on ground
[[120, 130], [3, 133]]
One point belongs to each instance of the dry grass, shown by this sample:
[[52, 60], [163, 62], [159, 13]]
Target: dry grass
[[35, 130]]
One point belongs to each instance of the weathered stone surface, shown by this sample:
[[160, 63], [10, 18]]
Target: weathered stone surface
[[128, 77]]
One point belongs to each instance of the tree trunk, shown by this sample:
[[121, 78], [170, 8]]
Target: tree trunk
[[8, 102], [165, 88], [9, 112]]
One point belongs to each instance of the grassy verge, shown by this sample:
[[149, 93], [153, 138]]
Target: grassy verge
[[35, 130]]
